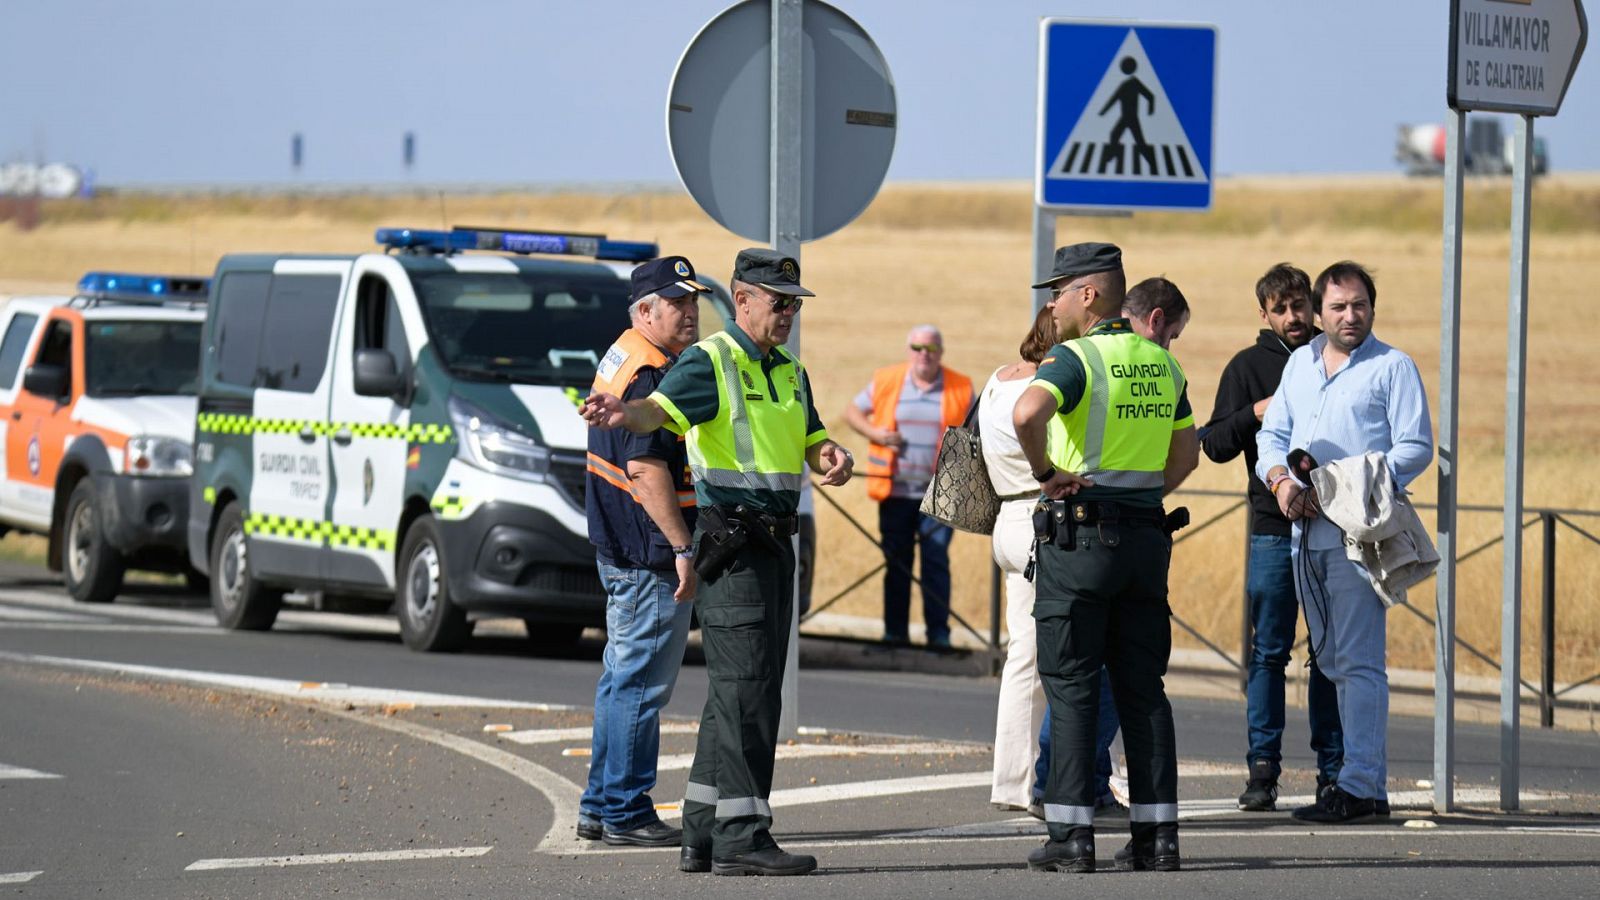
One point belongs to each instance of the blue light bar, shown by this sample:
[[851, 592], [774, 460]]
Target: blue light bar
[[123, 285], [597, 246]]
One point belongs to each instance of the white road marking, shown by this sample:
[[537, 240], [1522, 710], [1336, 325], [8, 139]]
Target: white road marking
[[19, 772], [331, 693], [19, 877], [887, 787], [682, 761], [563, 735], [30, 614], [318, 859]]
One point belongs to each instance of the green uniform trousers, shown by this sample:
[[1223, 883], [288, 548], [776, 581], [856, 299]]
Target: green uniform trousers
[[1106, 602], [744, 627]]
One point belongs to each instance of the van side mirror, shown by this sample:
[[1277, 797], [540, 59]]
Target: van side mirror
[[377, 375], [47, 380]]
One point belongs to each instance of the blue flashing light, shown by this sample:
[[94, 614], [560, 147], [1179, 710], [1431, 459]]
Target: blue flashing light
[[597, 246], [126, 286]]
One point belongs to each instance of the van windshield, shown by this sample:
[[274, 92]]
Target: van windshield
[[533, 327], [139, 357]]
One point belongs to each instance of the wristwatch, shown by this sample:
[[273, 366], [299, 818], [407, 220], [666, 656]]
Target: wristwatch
[[684, 552], [1044, 476]]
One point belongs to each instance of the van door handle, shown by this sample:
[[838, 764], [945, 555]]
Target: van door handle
[[342, 437], [308, 434]]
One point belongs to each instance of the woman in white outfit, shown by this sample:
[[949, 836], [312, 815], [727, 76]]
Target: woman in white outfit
[[1022, 704]]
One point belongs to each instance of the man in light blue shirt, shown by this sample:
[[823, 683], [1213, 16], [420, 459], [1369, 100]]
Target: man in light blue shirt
[[1343, 394]]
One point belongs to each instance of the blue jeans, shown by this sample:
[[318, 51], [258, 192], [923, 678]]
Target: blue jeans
[[903, 529], [1104, 735], [645, 635], [1274, 612], [1349, 633]]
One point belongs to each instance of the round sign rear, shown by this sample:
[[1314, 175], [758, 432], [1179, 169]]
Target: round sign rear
[[719, 115]]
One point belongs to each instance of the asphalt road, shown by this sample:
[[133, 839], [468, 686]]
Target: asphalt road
[[146, 753]]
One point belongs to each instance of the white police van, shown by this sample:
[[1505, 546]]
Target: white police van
[[404, 425], [97, 406]]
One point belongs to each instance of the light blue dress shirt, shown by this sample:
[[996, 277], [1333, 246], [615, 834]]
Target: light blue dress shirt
[[1375, 401]]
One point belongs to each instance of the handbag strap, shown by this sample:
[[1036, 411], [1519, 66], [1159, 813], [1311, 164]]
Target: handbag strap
[[972, 414]]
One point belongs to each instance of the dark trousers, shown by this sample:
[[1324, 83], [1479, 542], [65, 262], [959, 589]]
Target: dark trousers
[[904, 529], [1103, 605], [744, 628]]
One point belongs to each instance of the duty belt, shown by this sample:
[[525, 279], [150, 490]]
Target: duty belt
[[777, 526], [1097, 512]]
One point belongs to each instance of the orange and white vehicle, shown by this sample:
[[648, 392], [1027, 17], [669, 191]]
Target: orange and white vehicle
[[97, 413]]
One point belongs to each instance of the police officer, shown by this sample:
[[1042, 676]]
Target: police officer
[[745, 405], [1107, 428]]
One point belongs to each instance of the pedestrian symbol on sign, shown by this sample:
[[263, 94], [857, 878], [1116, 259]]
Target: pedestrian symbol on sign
[[1147, 147]]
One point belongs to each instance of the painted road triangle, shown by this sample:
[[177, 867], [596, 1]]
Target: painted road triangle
[[1128, 131]]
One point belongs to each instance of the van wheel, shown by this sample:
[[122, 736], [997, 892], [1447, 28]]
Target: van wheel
[[552, 636], [240, 602], [93, 568], [429, 620]]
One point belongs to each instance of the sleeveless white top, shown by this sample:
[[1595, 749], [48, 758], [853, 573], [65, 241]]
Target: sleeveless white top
[[1002, 452]]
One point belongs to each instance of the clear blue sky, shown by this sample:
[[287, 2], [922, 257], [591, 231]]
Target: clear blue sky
[[209, 91]]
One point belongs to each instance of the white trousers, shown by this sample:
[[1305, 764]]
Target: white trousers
[[1022, 703]]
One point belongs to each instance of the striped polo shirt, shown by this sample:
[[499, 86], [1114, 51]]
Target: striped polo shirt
[[920, 420]]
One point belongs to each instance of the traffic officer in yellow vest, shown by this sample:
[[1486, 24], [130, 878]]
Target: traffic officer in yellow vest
[[746, 407], [1107, 428]]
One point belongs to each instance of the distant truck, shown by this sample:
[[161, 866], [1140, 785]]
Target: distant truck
[[1488, 150]]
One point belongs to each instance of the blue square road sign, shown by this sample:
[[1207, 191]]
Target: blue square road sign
[[1127, 112]]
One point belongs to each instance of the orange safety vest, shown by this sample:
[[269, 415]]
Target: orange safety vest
[[886, 384], [631, 352]]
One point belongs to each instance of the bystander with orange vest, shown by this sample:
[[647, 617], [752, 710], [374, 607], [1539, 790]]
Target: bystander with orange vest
[[903, 413]]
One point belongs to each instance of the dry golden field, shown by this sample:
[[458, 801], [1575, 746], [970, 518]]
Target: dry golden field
[[958, 255]]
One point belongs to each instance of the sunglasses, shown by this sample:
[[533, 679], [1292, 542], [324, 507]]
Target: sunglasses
[[784, 303], [927, 348]]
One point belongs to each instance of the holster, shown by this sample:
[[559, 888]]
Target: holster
[[1175, 521], [1052, 524], [721, 539]]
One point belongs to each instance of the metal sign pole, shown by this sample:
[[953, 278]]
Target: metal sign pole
[[1444, 638], [1044, 250], [787, 106], [1516, 396]]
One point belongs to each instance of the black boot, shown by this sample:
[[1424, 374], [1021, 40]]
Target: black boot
[[1336, 807], [1075, 854], [1152, 847], [1261, 793]]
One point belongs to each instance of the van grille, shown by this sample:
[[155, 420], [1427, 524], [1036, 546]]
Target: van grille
[[570, 474]]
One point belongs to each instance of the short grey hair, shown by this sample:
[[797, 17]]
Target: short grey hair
[[648, 301], [938, 335]]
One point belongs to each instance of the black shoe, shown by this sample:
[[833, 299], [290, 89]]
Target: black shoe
[[692, 860], [1075, 854], [1380, 808], [771, 861], [1336, 807], [1261, 792], [1159, 851], [589, 831], [655, 834]]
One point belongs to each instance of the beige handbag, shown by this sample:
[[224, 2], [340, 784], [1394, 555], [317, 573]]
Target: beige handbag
[[961, 494]]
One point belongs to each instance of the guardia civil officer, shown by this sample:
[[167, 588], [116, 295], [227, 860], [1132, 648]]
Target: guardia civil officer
[[1120, 436], [745, 405]]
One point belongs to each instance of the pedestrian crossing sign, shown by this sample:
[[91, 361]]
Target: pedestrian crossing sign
[[1126, 115]]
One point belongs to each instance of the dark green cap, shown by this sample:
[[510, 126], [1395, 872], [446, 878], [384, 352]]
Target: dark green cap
[[770, 269], [1077, 260]]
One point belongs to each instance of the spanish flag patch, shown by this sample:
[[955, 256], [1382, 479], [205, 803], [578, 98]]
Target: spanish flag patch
[[413, 457]]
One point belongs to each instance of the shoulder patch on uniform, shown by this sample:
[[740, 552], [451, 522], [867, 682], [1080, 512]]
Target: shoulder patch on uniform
[[613, 361], [1047, 360]]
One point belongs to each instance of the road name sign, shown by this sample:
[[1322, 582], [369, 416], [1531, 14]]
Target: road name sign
[[1514, 56], [1126, 115]]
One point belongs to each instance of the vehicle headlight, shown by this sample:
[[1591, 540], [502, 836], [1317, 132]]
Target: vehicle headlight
[[161, 456], [495, 445]]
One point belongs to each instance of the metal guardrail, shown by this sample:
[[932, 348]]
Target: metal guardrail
[[1548, 519]]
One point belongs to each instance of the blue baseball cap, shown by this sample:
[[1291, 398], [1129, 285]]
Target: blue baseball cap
[[669, 276]]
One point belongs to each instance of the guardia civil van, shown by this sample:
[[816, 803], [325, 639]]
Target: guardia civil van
[[403, 424], [97, 405]]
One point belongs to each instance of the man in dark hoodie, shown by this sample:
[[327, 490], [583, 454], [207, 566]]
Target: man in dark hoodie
[[1243, 394]]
